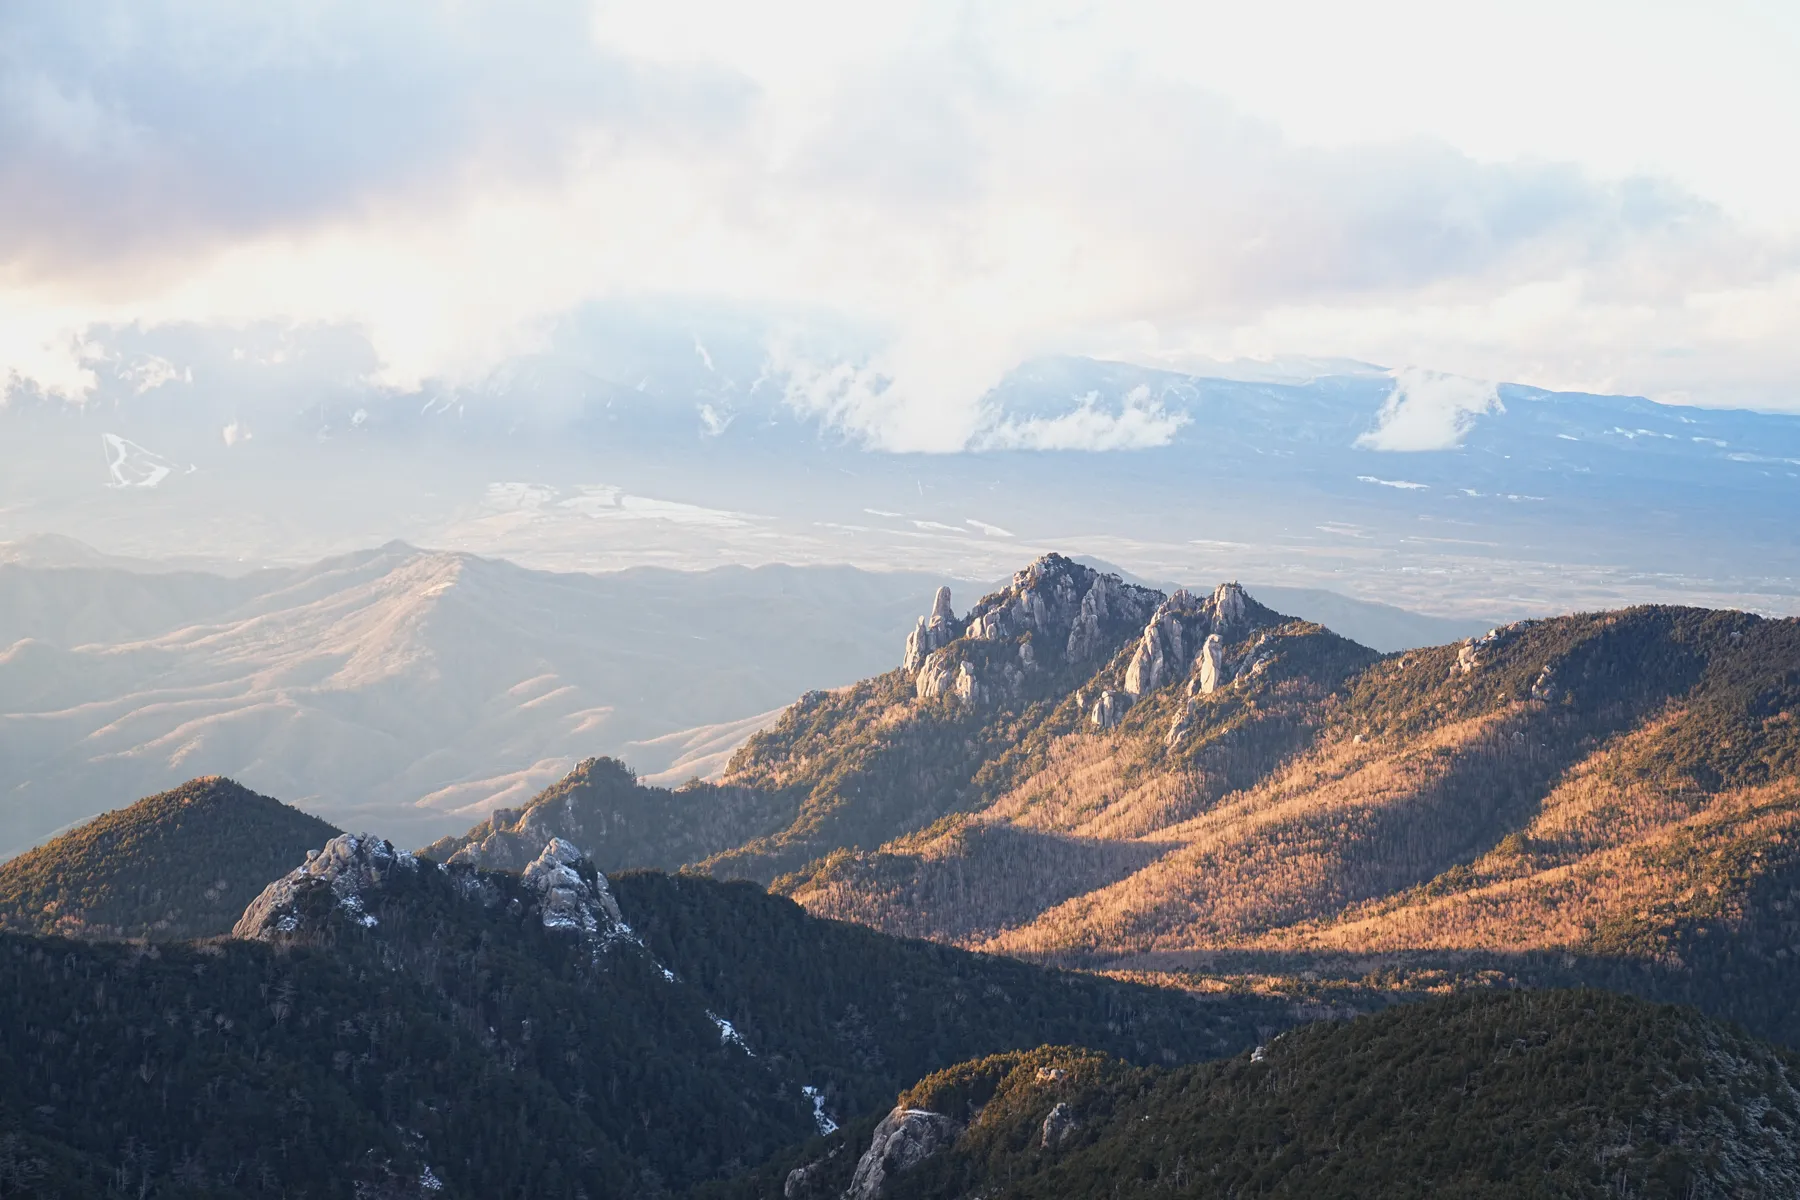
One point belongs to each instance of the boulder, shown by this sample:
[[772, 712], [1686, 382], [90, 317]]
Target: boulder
[[905, 1138], [1059, 1123], [1110, 708]]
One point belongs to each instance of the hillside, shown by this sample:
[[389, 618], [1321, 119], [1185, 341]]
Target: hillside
[[1082, 771], [401, 689], [1572, 1093], [601, 804], [180, 864], [380, 1025]]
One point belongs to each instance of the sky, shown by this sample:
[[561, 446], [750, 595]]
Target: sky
[[1588, 196]]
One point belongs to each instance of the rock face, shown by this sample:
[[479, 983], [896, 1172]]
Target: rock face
[[1059, 1123], [967, 688], [1109, 709], [1212, 665], [933, 632], [1064, 606], [568, 900], [350, 868], [905, 1138], [1184, 623], [935, 677]]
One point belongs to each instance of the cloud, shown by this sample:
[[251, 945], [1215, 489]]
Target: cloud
[[969, 188], [1140, 423], [1428, 410], [135, 130]]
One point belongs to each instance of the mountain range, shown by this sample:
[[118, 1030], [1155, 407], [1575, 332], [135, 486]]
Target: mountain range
[[1030, 913], [1088, 772], [413, 691], [685, 445], [399, 687]]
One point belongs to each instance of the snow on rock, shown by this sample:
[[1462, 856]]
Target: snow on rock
[[350, 867], [568, 900], [728, 1034], [826, 1125]]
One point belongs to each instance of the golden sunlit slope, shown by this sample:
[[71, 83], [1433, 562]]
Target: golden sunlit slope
[[1620, 786]]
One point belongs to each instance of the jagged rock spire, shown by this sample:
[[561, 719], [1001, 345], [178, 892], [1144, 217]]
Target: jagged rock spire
[[932, 632]]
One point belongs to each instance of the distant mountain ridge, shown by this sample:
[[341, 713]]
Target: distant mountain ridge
[[398, 688], [1522, 500]]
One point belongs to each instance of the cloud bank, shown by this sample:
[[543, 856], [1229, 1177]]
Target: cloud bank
[[972, 188]]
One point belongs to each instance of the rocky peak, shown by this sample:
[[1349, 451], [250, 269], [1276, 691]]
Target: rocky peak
[[573, 808], [1062, 604], [1230, 605], [566, 897], [933, 632], [1183, 625], [905, 1138], [345, 873]]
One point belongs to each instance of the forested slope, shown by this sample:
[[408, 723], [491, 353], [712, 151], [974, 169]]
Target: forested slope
[[1525, 1094], [180, 864], [382, 1025]]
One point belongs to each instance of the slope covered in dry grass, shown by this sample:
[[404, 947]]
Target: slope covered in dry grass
[[1602, 789]]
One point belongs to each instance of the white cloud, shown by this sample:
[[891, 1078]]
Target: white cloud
[[974, 185], [1140, 424], [712, 421], [1428, 410]]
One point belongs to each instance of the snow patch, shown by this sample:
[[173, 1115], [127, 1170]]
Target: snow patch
[[132, 466], [826, 1125], [728, 1034]]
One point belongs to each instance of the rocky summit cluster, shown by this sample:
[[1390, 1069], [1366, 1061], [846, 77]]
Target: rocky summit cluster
[[1058, 614]]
